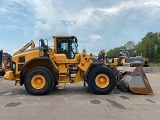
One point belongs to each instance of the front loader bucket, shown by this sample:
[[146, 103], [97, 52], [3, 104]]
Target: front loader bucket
[[133, 79]]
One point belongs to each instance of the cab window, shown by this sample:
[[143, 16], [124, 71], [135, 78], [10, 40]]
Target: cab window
[[66, 46]]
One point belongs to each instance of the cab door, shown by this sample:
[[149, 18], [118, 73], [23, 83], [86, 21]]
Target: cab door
[[66, 50]]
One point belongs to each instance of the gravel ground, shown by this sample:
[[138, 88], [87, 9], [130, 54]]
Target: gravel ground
[[151, 70], [77, 102]]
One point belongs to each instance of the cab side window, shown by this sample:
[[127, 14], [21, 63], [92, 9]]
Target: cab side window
[[67, 47], [62, 46]]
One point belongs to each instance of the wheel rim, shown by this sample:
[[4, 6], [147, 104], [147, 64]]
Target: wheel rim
[[38, 81], [102, 80]]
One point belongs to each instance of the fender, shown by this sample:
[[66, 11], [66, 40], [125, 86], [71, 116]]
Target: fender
[[27, 66], [92, 65]]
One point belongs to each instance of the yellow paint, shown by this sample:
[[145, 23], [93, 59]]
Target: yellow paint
[[102, 80], [60, 58], [63, 78], [78, 77], [114, 63], [63, 73], [76, 60], [85, 61], [60, 61], [63, 68], [9, 75], [38, 81]]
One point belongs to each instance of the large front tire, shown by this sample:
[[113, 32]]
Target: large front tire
[[101, 80], [39, 81]]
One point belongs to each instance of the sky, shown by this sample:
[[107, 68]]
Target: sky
[[98, 24]]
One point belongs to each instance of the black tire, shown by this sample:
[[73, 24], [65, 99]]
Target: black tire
[[107, 72], [45, 75], [2, 73]]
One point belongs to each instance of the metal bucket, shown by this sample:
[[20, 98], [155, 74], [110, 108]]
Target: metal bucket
[[133, 79]]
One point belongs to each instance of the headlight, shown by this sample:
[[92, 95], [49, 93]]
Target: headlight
[[14, 66]]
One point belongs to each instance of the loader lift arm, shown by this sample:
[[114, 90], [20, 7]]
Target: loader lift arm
[[31, 43]]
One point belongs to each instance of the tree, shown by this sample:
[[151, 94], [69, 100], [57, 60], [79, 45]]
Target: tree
[[149, 47], [114, 52], [130, 45]]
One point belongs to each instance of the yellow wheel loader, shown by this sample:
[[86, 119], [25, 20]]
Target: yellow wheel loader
[[42, 68]]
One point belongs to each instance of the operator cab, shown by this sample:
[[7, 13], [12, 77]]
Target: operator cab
[[67, 46]]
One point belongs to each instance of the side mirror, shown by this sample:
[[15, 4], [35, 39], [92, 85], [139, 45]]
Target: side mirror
[[76, 41]]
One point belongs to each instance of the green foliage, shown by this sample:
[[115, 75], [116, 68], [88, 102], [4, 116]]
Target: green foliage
[[154, 64], [130, 47], [114, 52], [148, 47]]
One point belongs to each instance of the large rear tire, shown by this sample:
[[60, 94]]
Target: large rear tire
[[39, 81], [101, 80]]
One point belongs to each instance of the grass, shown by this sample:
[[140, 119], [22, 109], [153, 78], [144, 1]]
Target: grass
[[154, 64]]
